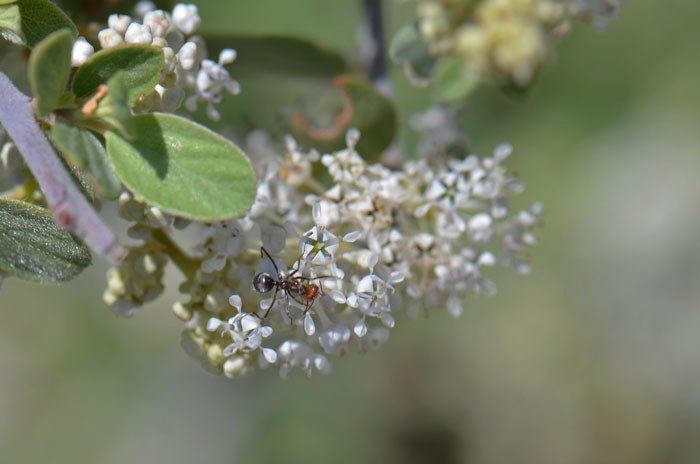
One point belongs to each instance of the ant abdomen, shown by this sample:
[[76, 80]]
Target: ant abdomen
[[263, 282]]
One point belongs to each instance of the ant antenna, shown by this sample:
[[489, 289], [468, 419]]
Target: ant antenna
[[263, 250]]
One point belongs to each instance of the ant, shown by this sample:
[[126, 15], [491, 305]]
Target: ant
[[293, 286]]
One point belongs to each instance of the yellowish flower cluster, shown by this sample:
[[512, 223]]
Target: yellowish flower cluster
[[505, 40]]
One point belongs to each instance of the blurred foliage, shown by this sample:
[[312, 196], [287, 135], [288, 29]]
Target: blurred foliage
[[592, 358]]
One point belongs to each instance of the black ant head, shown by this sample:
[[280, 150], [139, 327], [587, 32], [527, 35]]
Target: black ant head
[[263, 282]]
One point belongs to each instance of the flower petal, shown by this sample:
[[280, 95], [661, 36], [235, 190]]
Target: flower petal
[[352, 236], [235, 301], [214, 323], [309, 326], [270, 355], [360, 328]]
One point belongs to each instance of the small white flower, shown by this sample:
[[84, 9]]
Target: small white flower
[[109, 38], [158, 21], [236, 367], [138, 34], [246, 332], [345, 165], [210, 80], [187, 56], [119, 22], [502, 151], [480, 228], [295, 353], [186, 18], [318, 245], [334, 339], [227, 56], [82, 50], [486, 259]]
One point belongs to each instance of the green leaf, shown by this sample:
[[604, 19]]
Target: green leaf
[[114, 108], [84, 149], [49, 67], [141, 65], [365, 109], [284, 56], [183, 168], [452, 79], [33, 247], [40, 18], [66, 101], [410, 51], [11, 24]]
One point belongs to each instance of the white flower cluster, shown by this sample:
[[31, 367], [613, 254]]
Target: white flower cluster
[[139, 278], [337, 263], [186, 65]]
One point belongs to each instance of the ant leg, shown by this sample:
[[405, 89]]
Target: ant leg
[[317, 277], [263, 250], [296, 268], [306, 304], [298, 301], [274, 298]]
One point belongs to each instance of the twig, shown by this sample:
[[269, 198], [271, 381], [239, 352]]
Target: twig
[[67, 203], [374, 38]]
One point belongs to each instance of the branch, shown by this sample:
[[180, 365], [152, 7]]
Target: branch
[[69, 206], [374, 32]]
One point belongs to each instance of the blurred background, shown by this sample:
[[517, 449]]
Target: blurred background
[[592, 358]]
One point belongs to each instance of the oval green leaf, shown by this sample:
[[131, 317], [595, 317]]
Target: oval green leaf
[[34, 248], [40, 18], [141, 65], [49, 67], [84, 150], [452, 80], [183, 168]]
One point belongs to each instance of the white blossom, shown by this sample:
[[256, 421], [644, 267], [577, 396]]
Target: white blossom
[[186, 69], [341, 262], [118, 23], [158, 21], [109, 38], [188, 56], [186, 18], [138, 34], [82, 50]]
